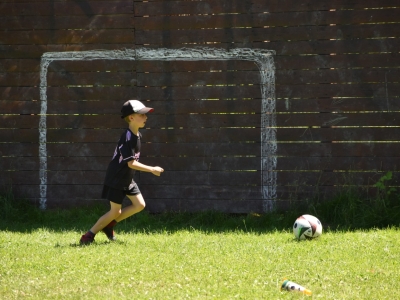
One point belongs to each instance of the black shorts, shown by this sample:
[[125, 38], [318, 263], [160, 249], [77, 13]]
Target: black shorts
[[117, 196]]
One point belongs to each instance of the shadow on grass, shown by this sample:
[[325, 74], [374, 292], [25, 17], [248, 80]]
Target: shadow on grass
[[345, 212], [144, 222], [95, 244], [18, 215]]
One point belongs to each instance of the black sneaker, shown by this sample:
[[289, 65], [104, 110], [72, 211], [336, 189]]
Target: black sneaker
[[109, 231], [87, 238]]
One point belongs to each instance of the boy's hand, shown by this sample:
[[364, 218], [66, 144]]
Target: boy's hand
[[157, 171]]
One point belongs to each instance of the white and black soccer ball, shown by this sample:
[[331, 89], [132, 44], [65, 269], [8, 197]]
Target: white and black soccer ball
[[307, 227]]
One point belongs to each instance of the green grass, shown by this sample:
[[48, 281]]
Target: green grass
[[198, 256], [195, 264]]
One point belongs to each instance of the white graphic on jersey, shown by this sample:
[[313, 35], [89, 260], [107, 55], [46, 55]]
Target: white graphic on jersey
[[120, 154], [136, 156], [128, 136]]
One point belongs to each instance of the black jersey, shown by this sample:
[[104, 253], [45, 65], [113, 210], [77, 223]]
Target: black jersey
[[119, 175]]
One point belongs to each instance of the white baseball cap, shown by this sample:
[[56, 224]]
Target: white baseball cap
[[134, 106]]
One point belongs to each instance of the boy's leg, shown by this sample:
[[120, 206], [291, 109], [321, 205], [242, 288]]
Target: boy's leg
[[138, 205], [104, 220], [114, 212]]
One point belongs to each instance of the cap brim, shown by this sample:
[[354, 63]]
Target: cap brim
[[145, 110]]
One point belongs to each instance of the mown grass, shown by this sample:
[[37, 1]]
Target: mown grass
[[201, 256], [193, 264]]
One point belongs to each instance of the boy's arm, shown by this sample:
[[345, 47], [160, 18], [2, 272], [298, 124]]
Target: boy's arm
[[134, 164]]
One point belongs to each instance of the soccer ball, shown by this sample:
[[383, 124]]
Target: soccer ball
[[307, 227]]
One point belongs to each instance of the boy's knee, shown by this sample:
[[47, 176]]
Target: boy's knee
[[141, 205], [116, 213]]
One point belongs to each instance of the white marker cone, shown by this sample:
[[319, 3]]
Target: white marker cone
[[291, 286]]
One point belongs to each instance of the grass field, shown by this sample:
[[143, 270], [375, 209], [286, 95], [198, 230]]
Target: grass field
[[191, 256]]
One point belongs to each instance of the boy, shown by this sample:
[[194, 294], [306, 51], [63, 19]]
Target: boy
[[119, 176]]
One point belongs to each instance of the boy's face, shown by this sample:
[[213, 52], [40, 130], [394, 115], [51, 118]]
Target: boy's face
[[138, 120]]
